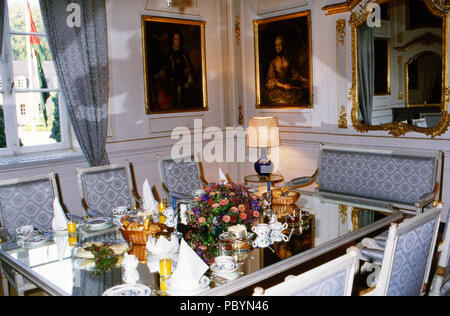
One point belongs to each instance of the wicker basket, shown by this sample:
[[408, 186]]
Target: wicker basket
[[285, 200], [136, 238]]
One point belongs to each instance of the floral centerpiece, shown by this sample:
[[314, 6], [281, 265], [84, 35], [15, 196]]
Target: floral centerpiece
[[219, 206]]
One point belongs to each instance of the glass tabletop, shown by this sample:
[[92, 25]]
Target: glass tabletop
[[54, 267], [55, 264]]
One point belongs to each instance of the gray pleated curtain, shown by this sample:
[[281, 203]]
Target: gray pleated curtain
[[80, 55], [366, 72], [2, 21]]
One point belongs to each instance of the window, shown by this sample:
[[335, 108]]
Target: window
[[31, 119]]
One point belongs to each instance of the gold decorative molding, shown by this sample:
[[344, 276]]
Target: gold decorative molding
[[341, 7], [342, 122], [355, 217], [343, 213], [241, 115], [341, 24]]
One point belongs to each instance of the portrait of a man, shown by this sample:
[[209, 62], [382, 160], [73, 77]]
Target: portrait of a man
[[283, 62], [174, 59]]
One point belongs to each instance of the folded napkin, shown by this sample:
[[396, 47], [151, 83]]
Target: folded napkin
[[150, 203], [190, 269], [62, 242], [222, 178], [60, 220], [163, 246]]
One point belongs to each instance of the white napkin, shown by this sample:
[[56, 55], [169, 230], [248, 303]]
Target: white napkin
[[162, 246], [222, 178], [60, 220], [150, 203], [62, 242], [190, 269]]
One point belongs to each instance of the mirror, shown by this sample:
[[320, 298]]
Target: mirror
[[399, 65]]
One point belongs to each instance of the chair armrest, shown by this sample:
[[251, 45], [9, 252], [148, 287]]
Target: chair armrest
[[303, 181], [93, 213], [371, 255], [427, 198]]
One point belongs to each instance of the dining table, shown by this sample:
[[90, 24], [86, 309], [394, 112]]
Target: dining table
[[55, 268]]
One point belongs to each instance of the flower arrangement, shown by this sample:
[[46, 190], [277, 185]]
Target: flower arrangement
[[219, 206]]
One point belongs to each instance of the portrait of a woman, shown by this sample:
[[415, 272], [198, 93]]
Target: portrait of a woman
[[283, 61]]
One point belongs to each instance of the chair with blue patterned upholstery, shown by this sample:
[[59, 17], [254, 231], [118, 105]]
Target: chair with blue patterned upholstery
[[181, 177], [104, 188], [334, 278], [25, 202], [407, 257], [441, 281]]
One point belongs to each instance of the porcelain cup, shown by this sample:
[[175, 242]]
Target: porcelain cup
[[278, 226], [119, 211], [278, 236], [262, 230], [225, 263], [261, 242]]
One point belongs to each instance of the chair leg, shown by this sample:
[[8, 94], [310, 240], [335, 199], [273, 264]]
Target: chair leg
[[5, 285]]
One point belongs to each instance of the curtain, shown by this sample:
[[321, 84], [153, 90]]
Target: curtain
[[80, 55], [428, 67], [2, 23], [366, 72]]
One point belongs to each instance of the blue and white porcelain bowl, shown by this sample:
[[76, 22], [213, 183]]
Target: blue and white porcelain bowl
[[129, 290], [25, 231]]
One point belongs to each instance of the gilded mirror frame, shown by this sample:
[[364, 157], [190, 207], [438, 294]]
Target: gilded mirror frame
[[359, 16]]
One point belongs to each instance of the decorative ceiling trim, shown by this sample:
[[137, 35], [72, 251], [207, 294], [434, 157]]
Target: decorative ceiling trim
[[341, 7]]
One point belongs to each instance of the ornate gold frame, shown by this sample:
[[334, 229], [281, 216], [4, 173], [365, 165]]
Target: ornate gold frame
[[201, 24], [397, 129], [256, 24]]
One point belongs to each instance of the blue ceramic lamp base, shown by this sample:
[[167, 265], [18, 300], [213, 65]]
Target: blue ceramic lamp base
[[264, 166]]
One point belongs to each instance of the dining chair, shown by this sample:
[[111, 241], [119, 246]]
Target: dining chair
[[104, 188], [26, 201], [334, 278], [407, 257], [181, 177], [441, 281]]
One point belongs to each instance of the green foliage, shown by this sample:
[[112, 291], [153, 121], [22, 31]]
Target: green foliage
[[105, 259], [56, 129], [19, 42], [2, 129]]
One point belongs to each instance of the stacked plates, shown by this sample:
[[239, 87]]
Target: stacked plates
[[98, 223]]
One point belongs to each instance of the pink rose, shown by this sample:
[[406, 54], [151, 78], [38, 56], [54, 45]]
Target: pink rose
[[255, 214], [234, 209], [241, 208], [216, 205], [226, 218], [223, 202], [203, 248], [243, 216], [201, 220]]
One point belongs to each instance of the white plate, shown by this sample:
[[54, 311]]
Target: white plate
[[98, 223], [203, 286], [89, 255], [215, 269], [35, 241], [129, 290]]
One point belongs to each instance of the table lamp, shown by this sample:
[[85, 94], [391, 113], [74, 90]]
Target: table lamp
[[263, 133]]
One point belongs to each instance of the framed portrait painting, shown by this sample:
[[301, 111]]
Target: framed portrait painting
[[283, 58], [174, 65]]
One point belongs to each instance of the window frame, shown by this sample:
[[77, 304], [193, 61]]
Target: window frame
[[9, 91]]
